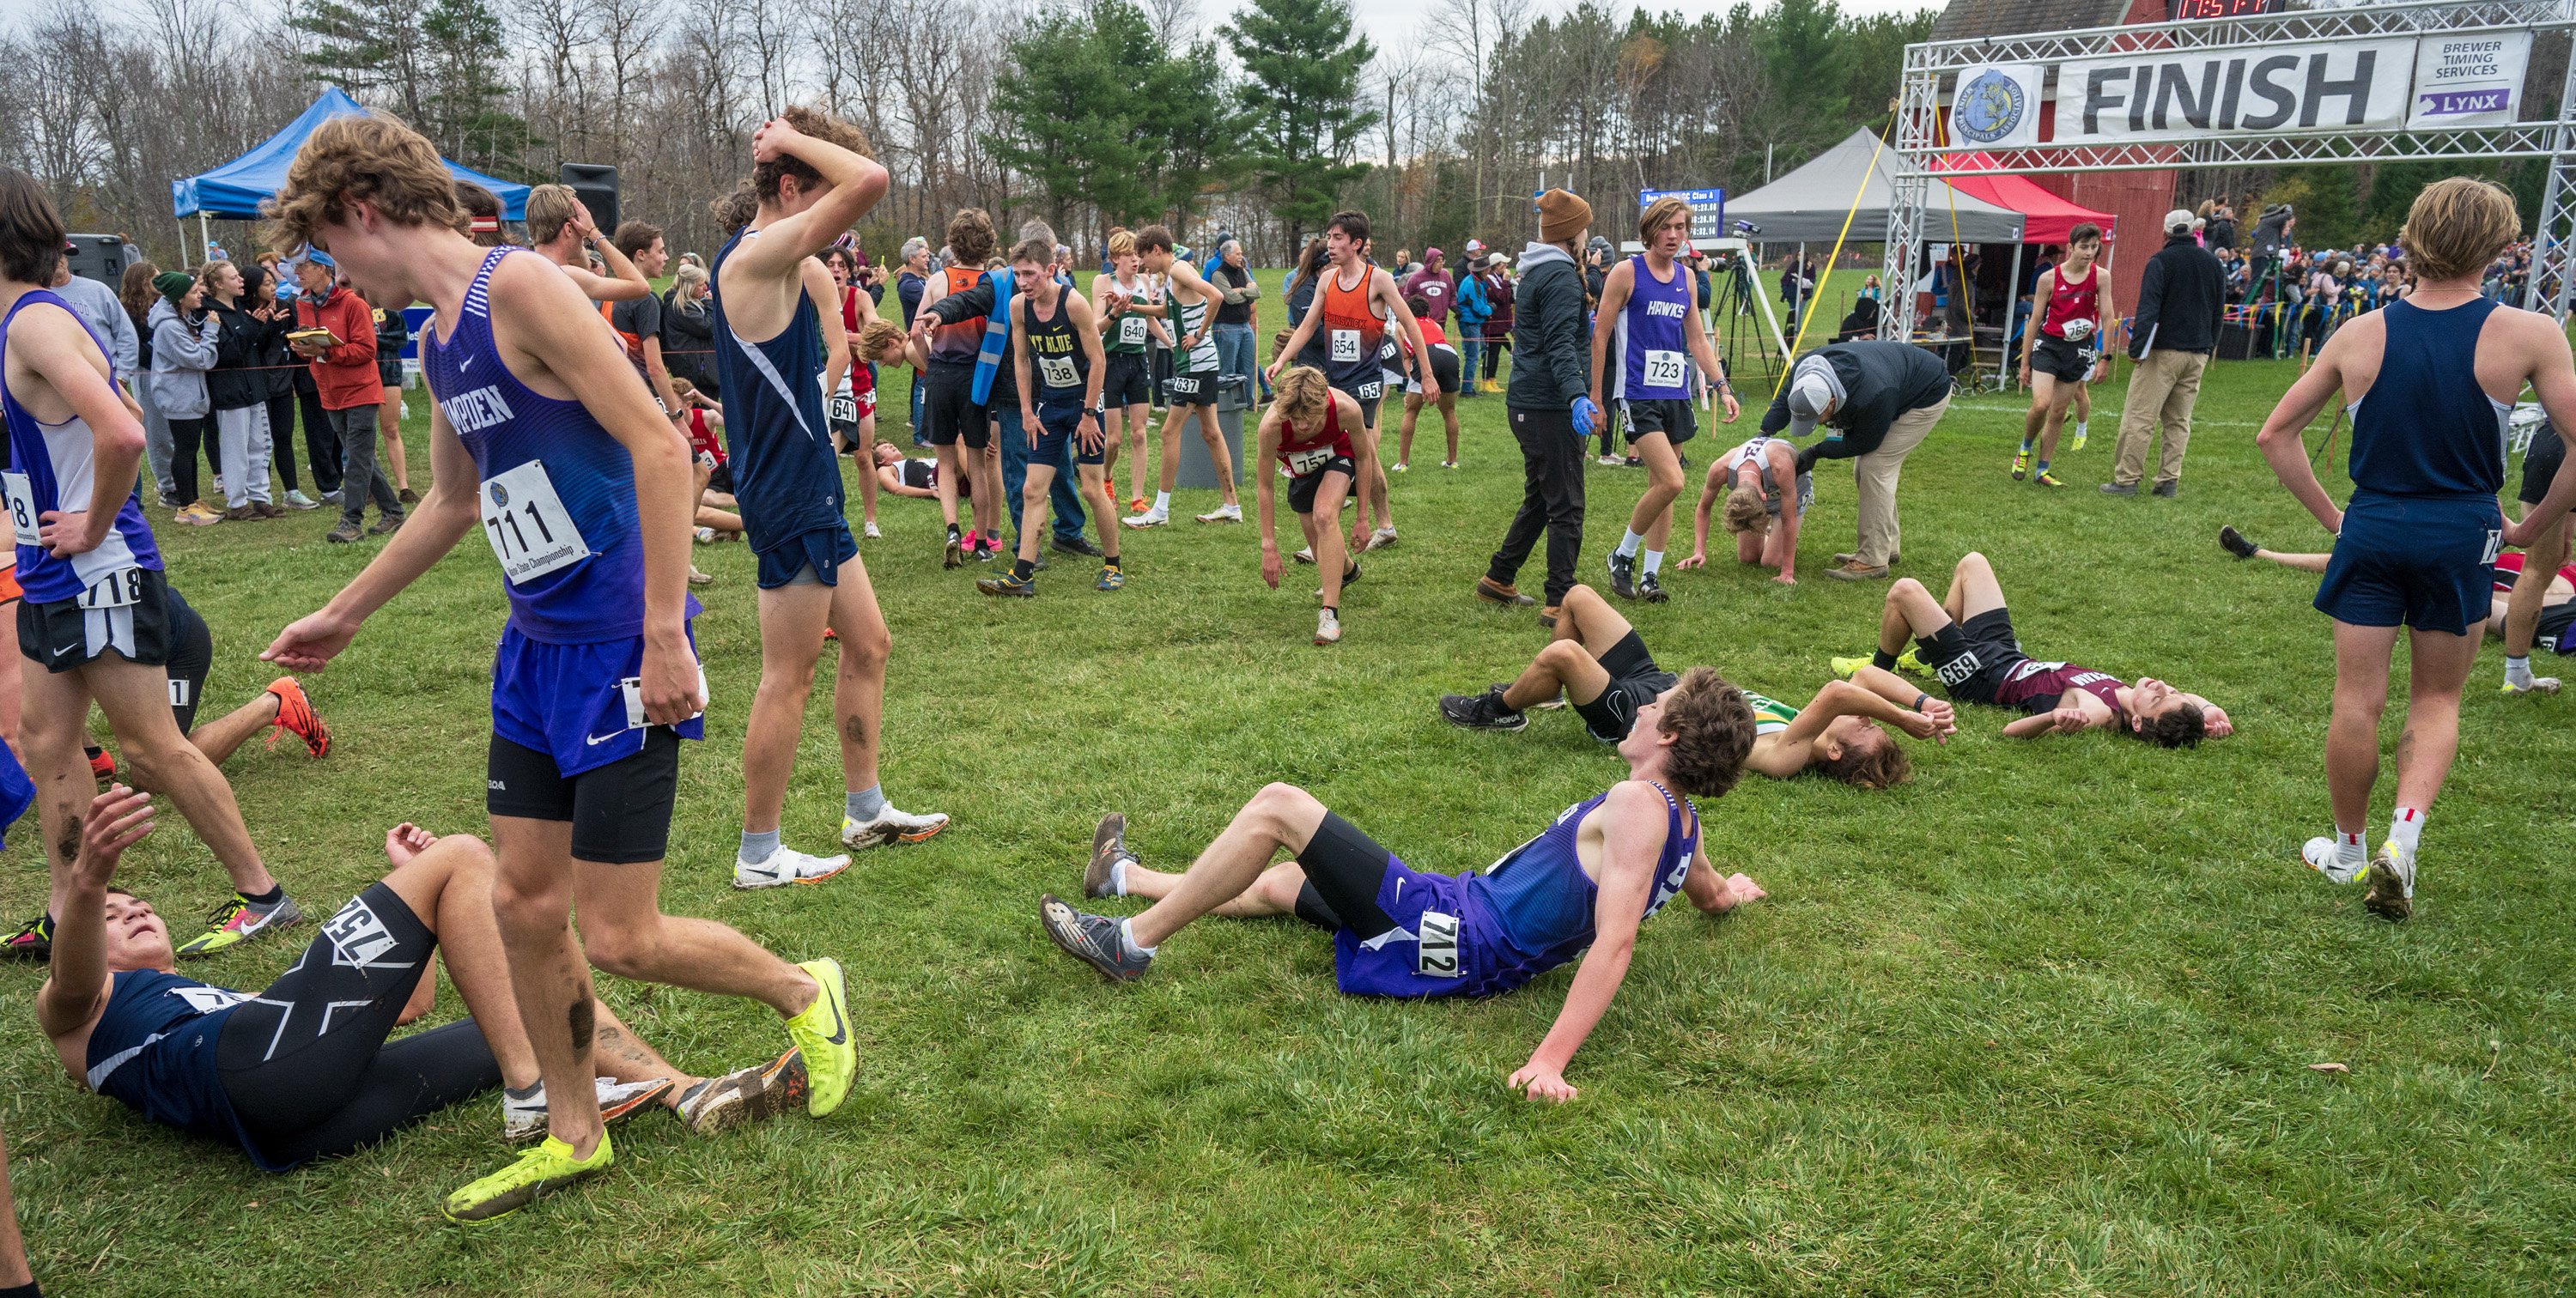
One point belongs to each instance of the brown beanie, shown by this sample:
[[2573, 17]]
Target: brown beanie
[[1562, 217]]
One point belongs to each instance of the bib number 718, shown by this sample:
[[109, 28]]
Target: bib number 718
[[21, 497]]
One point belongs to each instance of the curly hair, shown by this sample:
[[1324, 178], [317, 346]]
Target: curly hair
[[879, 334], [1745, 511], [1881, 765], [374, 159], [1712, 729], [2183, 727], [970, 237]]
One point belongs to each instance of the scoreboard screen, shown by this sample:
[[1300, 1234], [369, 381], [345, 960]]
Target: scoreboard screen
[[2190, 10], [1708, 209]]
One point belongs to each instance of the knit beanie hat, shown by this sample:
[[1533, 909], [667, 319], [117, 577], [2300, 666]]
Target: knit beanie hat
[[1562, 217], [173, 285]]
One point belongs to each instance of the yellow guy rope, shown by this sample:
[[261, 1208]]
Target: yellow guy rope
[[1808, 311]]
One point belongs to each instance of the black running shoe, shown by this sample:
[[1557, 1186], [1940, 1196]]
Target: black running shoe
[[1481, 711], [1091, 939], [1108, 848], [35, 941], [1010, 585], [1080, 545], [2234, 542], [1650, 590], [1623, 574]]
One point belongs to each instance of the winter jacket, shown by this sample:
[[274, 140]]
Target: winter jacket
[[1473, 306], [2180, 300], [1881, 381], [689, 342], [346, 375], [1552, 336], [236, 381], [181, 355]]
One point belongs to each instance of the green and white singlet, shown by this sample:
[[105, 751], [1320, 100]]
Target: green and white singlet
[[1770, 716], [1131, 332]]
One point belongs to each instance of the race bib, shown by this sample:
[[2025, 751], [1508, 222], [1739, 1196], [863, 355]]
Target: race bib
[[1369, 391], [631, 691], [21, 496], [1663, 369], [2495, 544], [1058, 372], [1185, 385], [1958, 669], [119, 589], [1437, 953], [1345, 345], [845, 408], [1131, 331], [530, 531], [1301, 463]]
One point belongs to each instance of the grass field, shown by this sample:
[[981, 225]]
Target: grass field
[[2039, 1021]]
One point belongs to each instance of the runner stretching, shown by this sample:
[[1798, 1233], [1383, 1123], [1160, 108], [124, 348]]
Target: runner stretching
[[1192, 302], [1967, 643], [95, 622], [1444, 366], [1055, 351], [1355, 305], [1602, 868], [302, 1069], [961, 432], [1649, 314], [543, 439], [809, 182], [1756, 480], [1311, 427], [2430, 381], [2064, 351], [1130, 327]]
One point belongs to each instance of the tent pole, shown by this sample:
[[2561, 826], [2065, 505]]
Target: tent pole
[[205, 239], [2012, 305]]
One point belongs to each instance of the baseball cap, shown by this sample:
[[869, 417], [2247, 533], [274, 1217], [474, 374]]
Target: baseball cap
[[2177, 221], [1810, 392], [1475, 246]]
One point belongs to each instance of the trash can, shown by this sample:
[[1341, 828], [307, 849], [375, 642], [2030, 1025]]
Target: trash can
[[1197, 470]]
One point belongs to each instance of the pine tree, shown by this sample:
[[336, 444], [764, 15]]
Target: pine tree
[[1301, 96], [1070, 108]]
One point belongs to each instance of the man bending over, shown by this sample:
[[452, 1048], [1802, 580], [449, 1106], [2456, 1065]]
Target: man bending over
[[1585, 883]]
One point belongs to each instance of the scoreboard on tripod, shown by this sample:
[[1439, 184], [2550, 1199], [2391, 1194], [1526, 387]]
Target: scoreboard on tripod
[[1708, 208]]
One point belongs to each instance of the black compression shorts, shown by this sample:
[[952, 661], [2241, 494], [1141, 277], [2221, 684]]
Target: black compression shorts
[[1972, 658], [2062, 360], [2540, 463], [1635, 680], [1344, 871], [192, 657], [620, 813], [1301, 489]]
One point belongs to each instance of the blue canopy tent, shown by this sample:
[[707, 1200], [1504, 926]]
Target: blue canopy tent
[[234, 191]]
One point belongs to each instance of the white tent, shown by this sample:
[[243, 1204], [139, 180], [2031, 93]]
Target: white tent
[[1808, 205]]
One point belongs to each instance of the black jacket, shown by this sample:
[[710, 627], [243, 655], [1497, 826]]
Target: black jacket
[[1551, 333], [1881, 381], [689, 343], [2179, 301], [236, 380], [2221, 233]]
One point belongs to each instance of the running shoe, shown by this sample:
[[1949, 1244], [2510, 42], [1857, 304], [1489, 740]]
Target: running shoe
[[2047, 479], [1149, 518], [1223, 514], [2538, 685], [543, 1170], [752, 1094], [822, 1031], [1612, 462], [1091, 939], [33, 941], [1911, 663], [102, 764], [1108, 848], [238, 921], [2078, 443], [1139, 505], [2021, 464], [891, 825], [697, 578], [2234, 542], [1110, 577], [1651, 590], [704, 536], [967, 542], [197, 515], [1845, 667], [1077, 544], [869, 530], [1328, 627], [295, 716], [1623, 575], [953, 552], [786, 866], [1009, 585], [1481, 711], [1448, 464], [2320, 857], [1399, 467], [525, 1120], [1382, 538], [2392, 885], [985, 549], [298, 500], [1306, 555]]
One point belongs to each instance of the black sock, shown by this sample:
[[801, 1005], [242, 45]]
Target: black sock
[[1110, 561], [27, 1290], [275, 894], [952, 531], [1883, 660], [1332, 610], [1023, 569]]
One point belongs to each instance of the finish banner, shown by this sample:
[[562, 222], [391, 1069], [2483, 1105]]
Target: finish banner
[[2153, 95]]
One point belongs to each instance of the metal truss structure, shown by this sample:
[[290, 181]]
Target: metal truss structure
[[1919, 140]]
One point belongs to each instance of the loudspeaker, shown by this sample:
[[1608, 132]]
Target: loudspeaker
[[102, 257], [595, 184]]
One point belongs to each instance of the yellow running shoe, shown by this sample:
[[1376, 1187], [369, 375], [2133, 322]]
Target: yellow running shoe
[[822, 1031], [1910, 661], [550, 1166], [1844, 667], [2021, 465]]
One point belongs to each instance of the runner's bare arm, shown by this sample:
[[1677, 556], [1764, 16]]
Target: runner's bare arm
[[1615, 289], [1401, 319], [2040, 290], [76, 980], [2553, 381], [1266, 453], [57, 349], [623, 282], [1020, 359], [2279, 439], [2214, 719], [855, 184], [1186, 279], [1695, 335], [1902, 694], [1713, 489], [1631, 825], [826, 297], [1086, 331]]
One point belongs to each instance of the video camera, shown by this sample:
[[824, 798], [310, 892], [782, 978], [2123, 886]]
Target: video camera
[[1747, 227]]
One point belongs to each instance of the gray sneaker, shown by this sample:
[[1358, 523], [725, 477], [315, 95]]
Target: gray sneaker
[[1481, 711], [719, 1104], [298, 500], [1091, 939], [345, 533], [1108, 848]]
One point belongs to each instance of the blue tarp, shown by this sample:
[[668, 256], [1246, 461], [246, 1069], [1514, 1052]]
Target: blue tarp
[[234, 191]]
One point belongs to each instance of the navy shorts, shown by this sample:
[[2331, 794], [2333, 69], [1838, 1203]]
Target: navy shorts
[[2540, 463], [2427, 562], [1056, 440], [822, 549], [1128, 382]]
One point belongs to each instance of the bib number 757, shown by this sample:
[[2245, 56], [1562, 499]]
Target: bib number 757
[[530, 530]]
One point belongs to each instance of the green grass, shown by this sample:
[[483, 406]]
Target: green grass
[[2038, 1022]]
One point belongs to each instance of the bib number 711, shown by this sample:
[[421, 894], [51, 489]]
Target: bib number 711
[[530, 530]]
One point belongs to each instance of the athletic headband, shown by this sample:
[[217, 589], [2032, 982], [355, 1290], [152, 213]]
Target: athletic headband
[[484, 225]]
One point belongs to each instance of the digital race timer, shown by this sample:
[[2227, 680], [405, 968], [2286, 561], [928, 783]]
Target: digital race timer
[[2186, 10]]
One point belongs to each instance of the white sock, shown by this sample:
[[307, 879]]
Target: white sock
[[1118, 879], [2079, 426], [1628, 543], [1127, 940], [2404, 829], [1162, 502], [2517, 671], [2351, 850], [1654, 560]]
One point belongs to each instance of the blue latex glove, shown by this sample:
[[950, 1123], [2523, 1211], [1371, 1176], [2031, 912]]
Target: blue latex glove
[[1587, 417]]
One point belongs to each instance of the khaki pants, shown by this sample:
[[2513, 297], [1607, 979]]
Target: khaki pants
[[1874, 477], [2163, 388]]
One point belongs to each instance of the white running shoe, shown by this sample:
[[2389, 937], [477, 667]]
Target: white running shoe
[[891, 826], [1150, 518], [2538, 685], [705, 536], [870, 530], [786, 866], [2320, 856], [1399, 467], [524, 1120], [1381, 538], [1328, 627], [1306, 555], [1223, 514]]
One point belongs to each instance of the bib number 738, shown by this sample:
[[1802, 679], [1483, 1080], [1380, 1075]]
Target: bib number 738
[[530, 530]]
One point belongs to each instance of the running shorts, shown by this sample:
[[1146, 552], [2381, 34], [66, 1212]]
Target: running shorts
[[1192, 388], [2062, 360], [2540, 463], [1444, 371], [576, 703], [2421, 561], [1301, 489], [1396, 930], [810, 556], [1673, 417], [949, 410], [620, 813], [1127, 381], [2556, 632], [1057, 444], [63, 635], [1635, 681], [1972, 658]]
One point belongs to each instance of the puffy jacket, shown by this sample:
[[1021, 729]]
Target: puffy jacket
[[345, 377], [181, 355], [236, 381], [2180, 301], [1552, 336], [1473, 307]]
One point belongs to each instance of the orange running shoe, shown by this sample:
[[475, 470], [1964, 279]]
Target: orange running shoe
[[1139, 505], [102, 764], [295, 715]]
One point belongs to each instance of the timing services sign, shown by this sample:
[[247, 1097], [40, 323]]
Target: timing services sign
[[2469, 80]]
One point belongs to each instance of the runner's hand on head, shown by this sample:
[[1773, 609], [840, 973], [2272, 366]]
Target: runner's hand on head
[[118, 819], [310, 642], [768, 142]]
